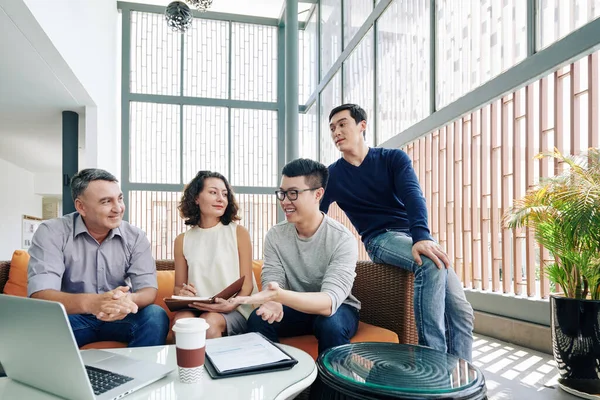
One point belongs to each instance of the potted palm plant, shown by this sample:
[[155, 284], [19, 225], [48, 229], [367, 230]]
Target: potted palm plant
[[564, 214]]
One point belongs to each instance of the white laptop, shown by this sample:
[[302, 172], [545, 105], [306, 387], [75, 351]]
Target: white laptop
[[38, 349]]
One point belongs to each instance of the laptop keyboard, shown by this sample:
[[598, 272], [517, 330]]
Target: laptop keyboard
[[103, 381]]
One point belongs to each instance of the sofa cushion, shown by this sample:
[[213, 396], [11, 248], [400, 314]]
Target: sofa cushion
[[256, 269], [17, 275], [166, 283], [365, 333]]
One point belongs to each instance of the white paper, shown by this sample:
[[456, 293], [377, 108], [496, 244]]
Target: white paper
[[190, 298], [241, 351]]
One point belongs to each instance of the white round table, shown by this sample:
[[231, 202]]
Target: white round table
[[279, 385]]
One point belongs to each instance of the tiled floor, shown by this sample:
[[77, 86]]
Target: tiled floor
[[516, 373]]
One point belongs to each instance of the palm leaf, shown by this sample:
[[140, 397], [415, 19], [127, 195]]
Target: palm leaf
[[564, 213]]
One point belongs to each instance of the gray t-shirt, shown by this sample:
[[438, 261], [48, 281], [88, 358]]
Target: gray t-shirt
[[325, 262], [65, 257]]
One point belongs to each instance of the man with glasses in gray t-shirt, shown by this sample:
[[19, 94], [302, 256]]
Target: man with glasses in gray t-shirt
[[309, 266], [99, 267]]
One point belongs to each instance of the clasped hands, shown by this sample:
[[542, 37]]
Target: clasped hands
[[115, 305]]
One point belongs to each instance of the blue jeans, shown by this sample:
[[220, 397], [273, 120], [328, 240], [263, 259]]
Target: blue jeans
[[443, 315], [148, 327], [331, 331]]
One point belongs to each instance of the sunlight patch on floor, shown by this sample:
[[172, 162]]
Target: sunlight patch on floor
[[512, 371]]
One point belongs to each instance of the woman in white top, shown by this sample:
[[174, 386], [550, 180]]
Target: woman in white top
[[213, 253]]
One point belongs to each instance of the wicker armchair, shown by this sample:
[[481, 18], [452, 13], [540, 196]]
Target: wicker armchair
[[4, 268], [386, 294]]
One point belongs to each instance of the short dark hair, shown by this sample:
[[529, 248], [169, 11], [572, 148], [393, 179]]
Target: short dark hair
[[189, 210], [356, 112], [81, 180], [315, 173]]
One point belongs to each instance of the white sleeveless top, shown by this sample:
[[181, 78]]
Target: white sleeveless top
[[213, 260]]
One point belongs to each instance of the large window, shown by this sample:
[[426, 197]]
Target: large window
[[403, 65], [308, 133], [206, 141], [330, 98], [155, 56], [254, 148], [254, 62], [557, 18], [355, 14], [331, 33], [308, 53], [476, 41], [359, 80], [154, 145], [207, 76], [204, 100]]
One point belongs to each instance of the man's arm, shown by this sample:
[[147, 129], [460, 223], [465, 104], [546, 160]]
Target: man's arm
[[73, 303], [45, 271], [86, 303], [318, 303], [272, 270], [335, 288], [340, 274], [409, 191], [144, 297], [142, 272]]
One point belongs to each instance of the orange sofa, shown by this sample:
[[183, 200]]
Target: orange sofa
[[384, 291]]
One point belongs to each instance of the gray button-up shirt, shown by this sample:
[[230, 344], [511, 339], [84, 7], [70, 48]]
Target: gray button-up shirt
[[65, 257]]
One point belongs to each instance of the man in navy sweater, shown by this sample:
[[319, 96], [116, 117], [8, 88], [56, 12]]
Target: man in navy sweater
[[379, 192]]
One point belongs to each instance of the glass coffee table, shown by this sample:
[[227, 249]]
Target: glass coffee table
[[366, 371]]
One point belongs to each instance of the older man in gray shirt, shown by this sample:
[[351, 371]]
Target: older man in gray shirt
[[309, 266], [99, 267]]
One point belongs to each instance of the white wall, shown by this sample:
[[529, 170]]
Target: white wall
[[85, 34], [17, 199], [48, 184]]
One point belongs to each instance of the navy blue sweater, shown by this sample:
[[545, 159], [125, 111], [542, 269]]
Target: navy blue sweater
[[381, 193]]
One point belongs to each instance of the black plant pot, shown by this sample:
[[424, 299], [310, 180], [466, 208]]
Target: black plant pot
[[576, 342]]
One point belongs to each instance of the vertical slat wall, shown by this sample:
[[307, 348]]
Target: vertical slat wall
[[472, 169]]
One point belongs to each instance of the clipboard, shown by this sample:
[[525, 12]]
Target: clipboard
[[215, 373], [177, 303]]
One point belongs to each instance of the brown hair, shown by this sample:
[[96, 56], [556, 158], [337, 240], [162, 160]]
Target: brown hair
[[189, 210]]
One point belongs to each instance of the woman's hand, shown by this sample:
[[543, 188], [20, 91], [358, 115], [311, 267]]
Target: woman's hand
[[187, 290], [219, 306]]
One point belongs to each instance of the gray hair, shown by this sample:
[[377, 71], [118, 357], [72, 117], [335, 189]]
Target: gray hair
[[82, 179]]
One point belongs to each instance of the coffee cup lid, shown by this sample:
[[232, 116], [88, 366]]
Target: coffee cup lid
[[190, 325]]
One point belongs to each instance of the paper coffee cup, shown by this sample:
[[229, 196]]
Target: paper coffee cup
[[190, 343]]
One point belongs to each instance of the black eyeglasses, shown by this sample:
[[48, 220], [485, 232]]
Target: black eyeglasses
[[291, 194]]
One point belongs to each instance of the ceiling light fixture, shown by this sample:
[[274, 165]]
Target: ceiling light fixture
[[179, 16]]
